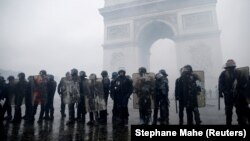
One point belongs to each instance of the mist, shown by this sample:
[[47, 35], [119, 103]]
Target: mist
[[60, 35]]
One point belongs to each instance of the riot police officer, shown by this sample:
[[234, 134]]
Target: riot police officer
[[188, 93], [74, 96], [81, 105], [49, 108], [122, 91], [179, 98], [28, 102], [112, 92], [21, 90], [42, 88], [9, 97], [92, 100], [3, 90], [106, 86], [232, 87], [144, 91], [60, 90], [161, 98]]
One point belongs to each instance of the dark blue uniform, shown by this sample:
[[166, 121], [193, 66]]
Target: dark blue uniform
[[233, 89], [49, 108], [122, 90], [188, 90], [21, 91]]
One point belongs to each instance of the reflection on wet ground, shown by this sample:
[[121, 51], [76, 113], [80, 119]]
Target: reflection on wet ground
[[58, 130]]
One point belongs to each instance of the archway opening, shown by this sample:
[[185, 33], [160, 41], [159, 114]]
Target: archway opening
[[157, 50], [163, 56]]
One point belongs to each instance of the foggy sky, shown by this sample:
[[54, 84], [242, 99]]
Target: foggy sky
[[58, 35]]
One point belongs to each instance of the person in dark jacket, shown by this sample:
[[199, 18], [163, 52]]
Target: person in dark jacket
[[3, 91], [41, 88], [232, 88], [49, 107], [106, 86], [81, 109], [9, 98], [189, 89], [161, 98], [112, 92], [28, 102], [21, 90], [177, 98], [122, 90]]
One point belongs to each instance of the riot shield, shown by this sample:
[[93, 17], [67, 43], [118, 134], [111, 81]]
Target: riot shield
[[71, 90], [39, 89], [94, 97], [244, 80], [243, 73], [201, 97], [150, 77]]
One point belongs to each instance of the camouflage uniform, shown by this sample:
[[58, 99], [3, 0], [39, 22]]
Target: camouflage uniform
[[74, 98], [144, 90]]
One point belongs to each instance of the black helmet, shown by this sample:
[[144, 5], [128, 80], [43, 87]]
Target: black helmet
[[67, 74], [21, 75], [30, 78], [104, 73], [11, 78], [122, 70], [74, 72], [43, 72], [142, 70], [163, 72], [92, 76], [51, 77], [114, 75], [230, 64], [82, 74], [188, 68]]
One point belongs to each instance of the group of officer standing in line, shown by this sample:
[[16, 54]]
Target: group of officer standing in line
[[90, 95]]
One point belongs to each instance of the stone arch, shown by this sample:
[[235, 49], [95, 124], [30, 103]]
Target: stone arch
[[149, 33], [191, 24], [173, 28]]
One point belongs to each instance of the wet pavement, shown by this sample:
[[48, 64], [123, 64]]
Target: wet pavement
[[58, 130]]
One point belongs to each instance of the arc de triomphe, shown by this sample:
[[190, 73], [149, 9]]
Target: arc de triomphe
[[132, 26]]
